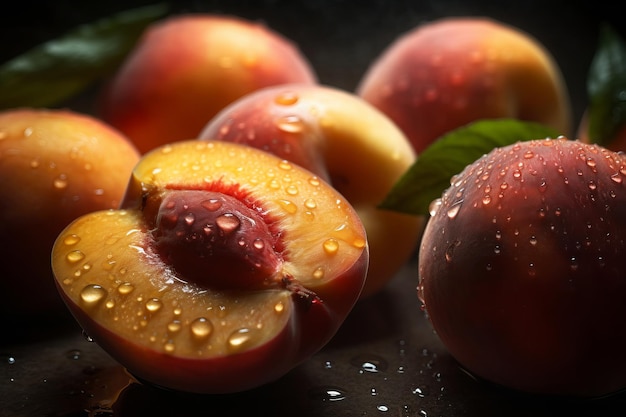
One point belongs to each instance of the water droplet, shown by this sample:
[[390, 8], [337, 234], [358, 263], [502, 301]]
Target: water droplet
[[616, 178], [314, 181], [174, 326], [239, 339], [60, 182], [369, 363], [434, 206], [382, 408], [284, 165], [75, 256], [533, 241], [73, 354], [310, 203], [286, 98], [201, 328], [169, 346], [327, 393], [279, 307], [331, 246], [153, 305], [450, 250], [11, 360], [228, 223], [125, 288], [290, 124], [92, 294], [292, 190], [288, 206], [454, 210], [318, 273], [71, 240]]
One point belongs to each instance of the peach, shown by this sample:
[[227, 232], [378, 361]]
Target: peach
[[55, 165], [344, 140], [188, 67], [224, 268], [521, 268], [446, 73]]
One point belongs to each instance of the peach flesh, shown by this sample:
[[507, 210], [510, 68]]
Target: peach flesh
[[345, 141], [181, 335]]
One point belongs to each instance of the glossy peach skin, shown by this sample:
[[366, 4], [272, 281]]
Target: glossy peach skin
[[188, 67], [449, 72], [343, 139], [55, 165], [521, 268], [229, 332]]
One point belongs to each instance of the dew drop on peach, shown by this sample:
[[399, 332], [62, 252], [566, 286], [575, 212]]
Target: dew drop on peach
[[314, 181], [153, 305], [434, 206], [287, 98], [319, 273], [201, 328], [288, 206], [279, 307], [92, 294], [71, 240], [75, 256], [454, 211], [239, 339], [125, 288], [331, 246]]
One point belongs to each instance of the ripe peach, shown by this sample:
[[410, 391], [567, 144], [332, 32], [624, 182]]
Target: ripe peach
[[225, 267], [452, 71], [343, 139], [521, 268], [54, 167], [187, 68]]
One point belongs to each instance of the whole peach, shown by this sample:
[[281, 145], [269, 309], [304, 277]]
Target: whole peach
[[446, 73], [55, 165], [188, 67], [343, 139]]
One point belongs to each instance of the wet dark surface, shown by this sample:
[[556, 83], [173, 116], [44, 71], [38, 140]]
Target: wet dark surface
[[385, 360]]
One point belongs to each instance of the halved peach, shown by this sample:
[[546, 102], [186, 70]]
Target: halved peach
[[225, 267]]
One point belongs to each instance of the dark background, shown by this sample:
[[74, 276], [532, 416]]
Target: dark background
[[385, 360], [341, 37]]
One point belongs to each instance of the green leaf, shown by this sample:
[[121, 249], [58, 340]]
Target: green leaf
[[431, 173], [60, 68], [606, 87]]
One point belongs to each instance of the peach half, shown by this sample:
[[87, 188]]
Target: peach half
[[344, 140], [225, 268]]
